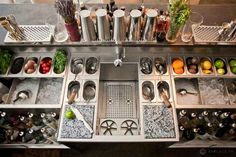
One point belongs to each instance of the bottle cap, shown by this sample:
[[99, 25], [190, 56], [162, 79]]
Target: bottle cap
[[182, 113]]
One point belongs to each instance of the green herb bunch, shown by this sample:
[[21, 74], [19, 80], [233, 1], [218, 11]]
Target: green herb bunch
[[179, 13], [59, 61], [5, 60], [66, 8]]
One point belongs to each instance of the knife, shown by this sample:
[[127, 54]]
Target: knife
[[79, 116]]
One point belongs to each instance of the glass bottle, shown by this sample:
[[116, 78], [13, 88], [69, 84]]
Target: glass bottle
[[160, 27], [183, 119], [222, 129]]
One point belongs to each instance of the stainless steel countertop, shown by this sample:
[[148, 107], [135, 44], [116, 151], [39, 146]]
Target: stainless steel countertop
[[35, 14]]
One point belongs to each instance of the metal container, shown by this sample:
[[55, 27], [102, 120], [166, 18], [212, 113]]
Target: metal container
[[135, 25], [119, 31], [150, 25], [103, 25], [87, 25]]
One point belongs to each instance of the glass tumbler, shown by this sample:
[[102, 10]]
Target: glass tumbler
[[194, 21], [57, 28]]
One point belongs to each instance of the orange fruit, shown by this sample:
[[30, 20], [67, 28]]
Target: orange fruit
[[179, 70], [177, 64]]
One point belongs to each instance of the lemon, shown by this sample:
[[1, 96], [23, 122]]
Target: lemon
[[206, 65], [206, 71], [221, 71]]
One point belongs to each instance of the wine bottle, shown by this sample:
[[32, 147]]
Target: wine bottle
[[232, 130], [189, 134], [225, 118], [183, 119], [194, 121], [210, 129], [200, 129], [35, 121], [3, 121], [2, 135], [49, 120], [222, 129]]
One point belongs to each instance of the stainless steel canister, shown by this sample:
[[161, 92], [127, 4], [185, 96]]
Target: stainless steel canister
[[150, 25], [119, 30], [135, 25], [103, 25], [88, 29]]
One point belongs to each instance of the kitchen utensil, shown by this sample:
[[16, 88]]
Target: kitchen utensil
[[88, 30], [103, 25], [135, 25], [21, 95], [74, 87], [150, 25], [119, 31], [164, 93], [77, 66], [79, 116], [147, 92], [183, 92], [89, 92]]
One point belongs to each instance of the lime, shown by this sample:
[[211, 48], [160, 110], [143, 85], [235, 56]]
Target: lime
[[233, 69], [219, 64], [69, 114], [221, 71], [232, 63], [206, 65]]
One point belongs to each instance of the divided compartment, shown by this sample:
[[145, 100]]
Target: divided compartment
[[213, 91], [161, 66], [16, 66], [50, 91], [46, 65], [159, 123], [187, 91], [92, 65], [146, 66], [222, 64], [77, 65], [90, 90], [232, 65], [148, 92], [192, 64], [31, 65], [29, 85], [73, 92], [178, 65], [207, 66], [165, 86], [74, 129]]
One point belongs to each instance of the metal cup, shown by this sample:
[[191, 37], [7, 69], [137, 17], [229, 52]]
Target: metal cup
[[135, 25], [150, 25], [119, 31], [103, 25], [88, 30]]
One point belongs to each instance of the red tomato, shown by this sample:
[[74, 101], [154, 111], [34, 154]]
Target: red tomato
[[47, 69]]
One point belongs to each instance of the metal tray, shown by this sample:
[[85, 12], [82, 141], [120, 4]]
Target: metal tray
[[32, 34]]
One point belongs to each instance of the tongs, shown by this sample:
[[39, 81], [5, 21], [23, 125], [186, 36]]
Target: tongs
[[228, 31], [10, 24]]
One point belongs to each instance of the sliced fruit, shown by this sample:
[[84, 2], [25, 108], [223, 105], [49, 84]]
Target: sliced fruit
[[219, 63], [206, 65], [179, 70], [232, 63], [233, 70], [207, 71], [177, 63], [221, 71]]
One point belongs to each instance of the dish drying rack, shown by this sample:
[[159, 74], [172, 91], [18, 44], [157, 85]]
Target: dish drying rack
[[210, 34], [32, 34]]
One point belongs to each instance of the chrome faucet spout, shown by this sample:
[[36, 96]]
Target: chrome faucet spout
[[120, 55]]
